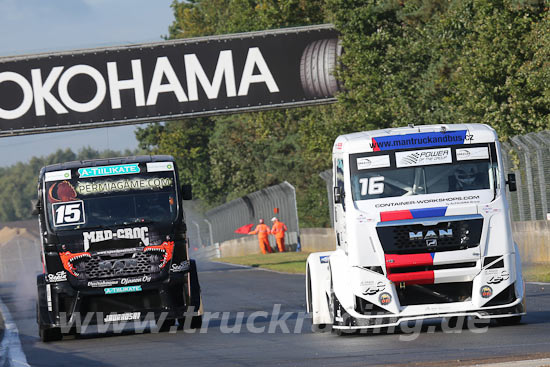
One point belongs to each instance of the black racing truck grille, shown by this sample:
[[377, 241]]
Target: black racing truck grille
[[430, 234], [138, 263]]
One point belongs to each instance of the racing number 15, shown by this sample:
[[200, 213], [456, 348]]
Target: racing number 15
[[68, 213], [372, 186]]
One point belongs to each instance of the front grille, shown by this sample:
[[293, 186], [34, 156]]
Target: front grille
[[138, 263], [412, 269], [445, 235], [435, 293]]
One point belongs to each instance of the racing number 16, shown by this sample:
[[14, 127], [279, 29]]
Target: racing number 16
[[372, 186]]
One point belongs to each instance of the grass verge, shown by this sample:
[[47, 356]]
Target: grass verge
[[536, 273], [287, 262]]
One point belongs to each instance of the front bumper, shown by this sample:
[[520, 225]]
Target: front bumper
[[350, 320], [62, 305]]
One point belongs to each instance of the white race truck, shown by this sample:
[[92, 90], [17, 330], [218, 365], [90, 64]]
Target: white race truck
[[422, 231]]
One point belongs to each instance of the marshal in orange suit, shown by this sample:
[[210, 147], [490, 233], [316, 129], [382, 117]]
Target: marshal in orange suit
[[279, 229], [263, 236]]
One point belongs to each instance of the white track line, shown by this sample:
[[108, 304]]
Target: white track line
[[10, 347]]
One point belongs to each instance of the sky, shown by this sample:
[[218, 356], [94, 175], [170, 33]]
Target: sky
[[36, 26]]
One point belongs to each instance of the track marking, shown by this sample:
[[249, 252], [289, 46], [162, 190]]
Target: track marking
[[10, 347]]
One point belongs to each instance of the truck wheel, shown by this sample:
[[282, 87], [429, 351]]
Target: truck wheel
[[166, 325], [320, 328], [196, 322], [509, 321], [50, 335], [47, 334], [195, 299]]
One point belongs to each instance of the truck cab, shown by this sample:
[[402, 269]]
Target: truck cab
[[422, 231], [114, 245]]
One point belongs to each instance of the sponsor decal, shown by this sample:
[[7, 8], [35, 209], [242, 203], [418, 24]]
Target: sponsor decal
[[57, 175], [128, 316], [499, 278], [468, 154], [323, 259], [120, 169], [181, 267], [128, 289], [419, 140], [374, 289], [339, 146], [103, 283], [451, 200], [61, 192], [141, 233], [160, 166], [123, 281], [423, 157], [60, 276], [487, 209], [373, 162], [158, 183], [142, 279], [486, 291], [385, 299]]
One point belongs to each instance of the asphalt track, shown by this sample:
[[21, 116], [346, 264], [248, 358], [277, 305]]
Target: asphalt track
[[234, 289]]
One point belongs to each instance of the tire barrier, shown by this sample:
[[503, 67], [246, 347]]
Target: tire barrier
[[317, 67]]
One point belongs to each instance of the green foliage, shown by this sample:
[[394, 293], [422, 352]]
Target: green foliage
[[18, 183], [434, 61], [415, 61]]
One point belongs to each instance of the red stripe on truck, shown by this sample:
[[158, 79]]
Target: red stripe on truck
[[419, 277], [395, 215], [402, 261]]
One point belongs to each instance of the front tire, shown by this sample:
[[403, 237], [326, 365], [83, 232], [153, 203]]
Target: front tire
[[509, 321], [50, 335]]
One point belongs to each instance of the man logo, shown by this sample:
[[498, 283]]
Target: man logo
[[431, 243], [429, 235]]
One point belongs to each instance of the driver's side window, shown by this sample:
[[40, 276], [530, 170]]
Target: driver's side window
[[340, 179]]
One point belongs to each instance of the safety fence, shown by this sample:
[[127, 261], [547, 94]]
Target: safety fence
[[262, 204], [199, 230], [528, 156]]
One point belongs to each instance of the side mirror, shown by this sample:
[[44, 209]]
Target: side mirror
[[36, 207], [338, 195], [186, 192], [512, 182]]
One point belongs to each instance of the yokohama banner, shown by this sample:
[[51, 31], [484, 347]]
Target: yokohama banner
[[168, 80]]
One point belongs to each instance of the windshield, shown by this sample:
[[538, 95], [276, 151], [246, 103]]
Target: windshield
[[421, 172], [90, 202]]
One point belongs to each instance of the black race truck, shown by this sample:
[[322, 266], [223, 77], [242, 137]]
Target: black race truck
[[114, 246]]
